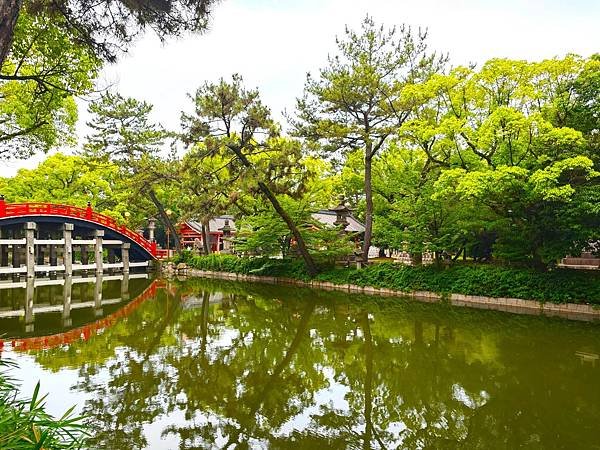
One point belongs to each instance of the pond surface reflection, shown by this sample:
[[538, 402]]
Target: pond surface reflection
[[217, 364]]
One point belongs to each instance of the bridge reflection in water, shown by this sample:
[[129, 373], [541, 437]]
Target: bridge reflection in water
[[45, 313]]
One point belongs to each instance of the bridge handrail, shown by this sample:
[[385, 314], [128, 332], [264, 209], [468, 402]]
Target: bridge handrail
[[57, 209]]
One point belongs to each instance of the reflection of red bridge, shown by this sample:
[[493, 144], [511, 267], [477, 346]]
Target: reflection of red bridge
[[85, 332]]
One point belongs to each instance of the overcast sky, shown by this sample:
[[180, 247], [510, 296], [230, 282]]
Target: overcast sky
[[273, 44]]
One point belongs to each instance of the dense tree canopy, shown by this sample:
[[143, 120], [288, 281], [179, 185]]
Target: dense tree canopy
[[43, 73], [51, 52], [497, 162]]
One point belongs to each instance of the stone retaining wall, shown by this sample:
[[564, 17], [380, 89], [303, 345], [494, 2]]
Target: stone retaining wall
[[514, 305]]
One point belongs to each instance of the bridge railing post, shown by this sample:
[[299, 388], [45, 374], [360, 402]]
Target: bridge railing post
[[98, 250], [2, 206], [30, 228], [125, 256], [68, 249], [125, 287]]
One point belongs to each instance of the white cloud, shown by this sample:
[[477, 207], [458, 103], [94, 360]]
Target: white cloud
[[272, 44]]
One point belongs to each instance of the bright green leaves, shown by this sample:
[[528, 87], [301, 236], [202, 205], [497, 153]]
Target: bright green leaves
[[358, 100], [504, 114], [537, 216], [265, 233], [556, 181], [484, 185], [43, 73], [66, 179]]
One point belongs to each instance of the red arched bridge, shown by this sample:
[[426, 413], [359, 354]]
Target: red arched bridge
[[48, 237]]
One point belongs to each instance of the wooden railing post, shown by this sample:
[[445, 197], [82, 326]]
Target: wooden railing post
[[125, 256], [98, 250], [68, 249], [30, 228]]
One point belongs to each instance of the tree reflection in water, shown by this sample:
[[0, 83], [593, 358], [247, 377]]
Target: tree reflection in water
[[227, 365]]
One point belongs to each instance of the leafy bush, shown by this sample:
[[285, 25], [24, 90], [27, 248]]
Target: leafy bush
[[24, 423], [556, 286], [293, 268], [559, 285]]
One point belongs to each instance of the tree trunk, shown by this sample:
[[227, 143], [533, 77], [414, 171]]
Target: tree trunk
[[311, 267], [537, 263], [205, 234], [164, 218], [369, 205], [9, 13]]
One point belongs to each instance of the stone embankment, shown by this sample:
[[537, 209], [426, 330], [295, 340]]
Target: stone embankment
[[573, 311]]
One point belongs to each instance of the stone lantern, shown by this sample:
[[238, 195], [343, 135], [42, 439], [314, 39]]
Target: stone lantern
[[226, 229], [341, 212], [151, 228]]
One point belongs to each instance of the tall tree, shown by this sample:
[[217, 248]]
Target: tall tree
[[108, 26], [123, 133], [358, 103], [229, 117]]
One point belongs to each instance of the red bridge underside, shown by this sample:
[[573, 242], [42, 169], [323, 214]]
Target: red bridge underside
[[75, 212]]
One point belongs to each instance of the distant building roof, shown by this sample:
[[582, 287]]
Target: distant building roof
[[325, 216], [214, 224], [328, 217]]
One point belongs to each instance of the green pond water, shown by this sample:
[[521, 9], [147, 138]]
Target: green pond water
[[214, 364]]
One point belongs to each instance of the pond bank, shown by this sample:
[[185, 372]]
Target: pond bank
[[574, 311]]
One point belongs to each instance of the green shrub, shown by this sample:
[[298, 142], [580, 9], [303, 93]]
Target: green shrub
[[292, 268], [558, 286]]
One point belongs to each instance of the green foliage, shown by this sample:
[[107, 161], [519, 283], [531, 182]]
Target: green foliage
[[358, 101], [124, 135], [488, 280], [293, 268], [558, 285], [266, 234], [24, 423], [71, 180], [487, 159], [232, 121], [46, 68], [536, 214], [122, 131]]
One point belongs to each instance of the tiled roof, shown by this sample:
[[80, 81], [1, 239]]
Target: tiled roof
[[214, 224], [325, 216], [328, 217]]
